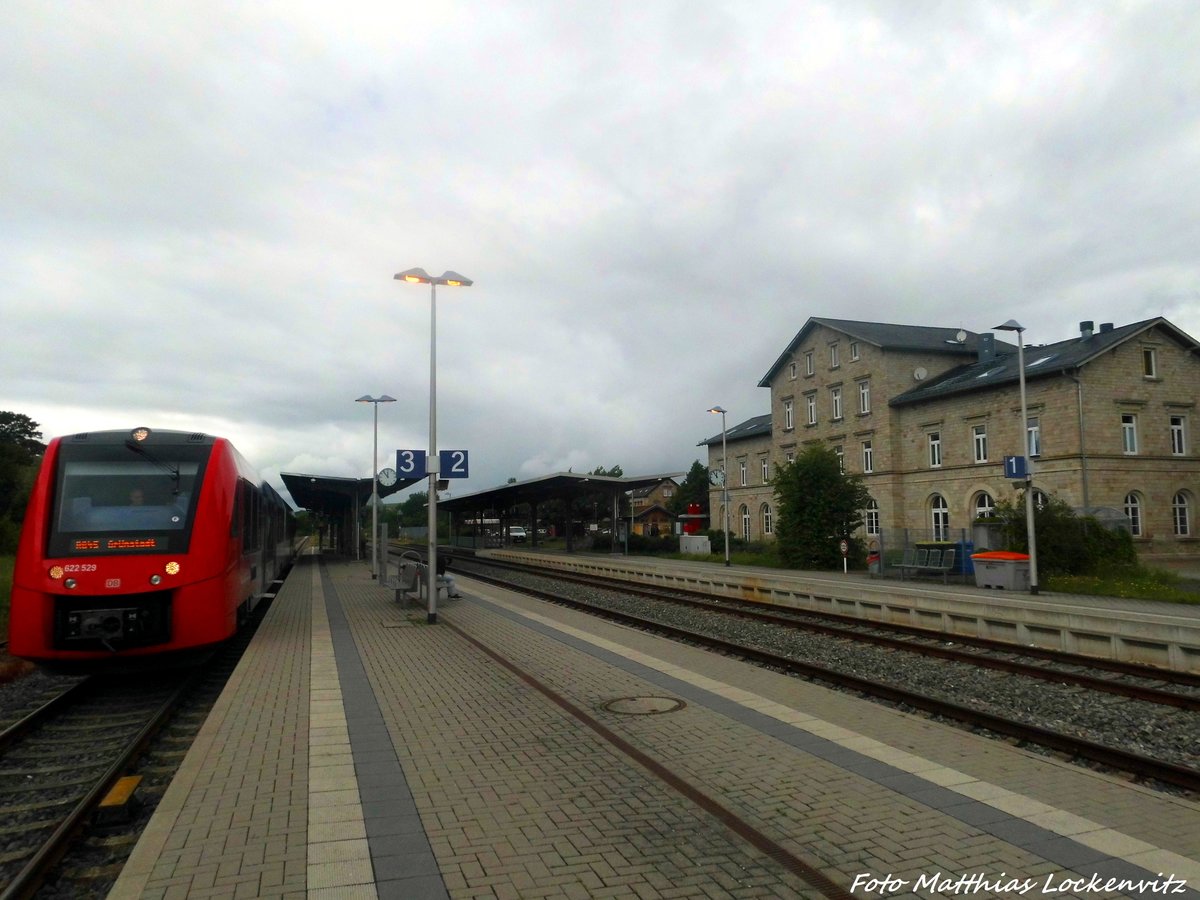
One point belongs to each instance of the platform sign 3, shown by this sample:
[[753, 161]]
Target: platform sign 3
[[410, 463], [452, 463]]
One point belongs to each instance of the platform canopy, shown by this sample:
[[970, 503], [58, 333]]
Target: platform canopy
[[559, 486], [338, 500]]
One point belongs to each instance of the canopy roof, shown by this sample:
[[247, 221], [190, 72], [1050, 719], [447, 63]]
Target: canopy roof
[[334, 496], [560, 485]]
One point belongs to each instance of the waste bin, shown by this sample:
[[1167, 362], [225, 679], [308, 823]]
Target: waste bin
[[1002, 570]]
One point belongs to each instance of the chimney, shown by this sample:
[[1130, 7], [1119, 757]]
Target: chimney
[[987, 347], [1106, 327], [1086, 329]]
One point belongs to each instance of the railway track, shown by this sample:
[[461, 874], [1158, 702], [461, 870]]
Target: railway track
[[1141, 695], [58, 763]]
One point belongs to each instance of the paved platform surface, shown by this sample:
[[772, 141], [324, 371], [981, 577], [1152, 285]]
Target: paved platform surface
[[359, 752]]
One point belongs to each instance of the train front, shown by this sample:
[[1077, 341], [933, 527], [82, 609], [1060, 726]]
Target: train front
[[122, 549]]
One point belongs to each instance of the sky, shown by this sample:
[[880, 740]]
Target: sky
[[203, 205]]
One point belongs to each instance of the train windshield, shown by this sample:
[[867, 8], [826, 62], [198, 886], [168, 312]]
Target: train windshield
[[120, 499]]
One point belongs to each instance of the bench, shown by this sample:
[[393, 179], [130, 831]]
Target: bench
[[928, 562], [414, 577]]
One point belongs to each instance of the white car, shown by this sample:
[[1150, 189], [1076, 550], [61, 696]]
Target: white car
[[517, 534]]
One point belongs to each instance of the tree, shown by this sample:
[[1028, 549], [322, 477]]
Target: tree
[[819, 505], [1067, 544], [694, 489], [20, 447]]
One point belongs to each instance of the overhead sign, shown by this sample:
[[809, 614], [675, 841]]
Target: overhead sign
[[410, 463], [1015, 467], [415, 464]]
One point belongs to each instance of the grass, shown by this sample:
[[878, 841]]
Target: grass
[[9, 668], [1137, 584]]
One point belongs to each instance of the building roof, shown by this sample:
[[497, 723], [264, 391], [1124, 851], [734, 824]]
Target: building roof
[[914, 338], [1040, 361], [755, 427], [333, 495]]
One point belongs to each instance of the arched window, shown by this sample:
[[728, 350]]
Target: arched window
[[939, 517], [768, 523], [744, 512], [1181, 514], [1133, 509], [985, 506], [871, 517]]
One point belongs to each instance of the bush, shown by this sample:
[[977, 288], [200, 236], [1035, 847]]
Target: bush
[[1067, 544]]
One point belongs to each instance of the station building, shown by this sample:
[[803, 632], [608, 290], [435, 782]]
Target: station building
[[927, 414]]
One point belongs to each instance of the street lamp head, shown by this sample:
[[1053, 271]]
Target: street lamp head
[[420, 276], [1010, 325], [382, 398], [718, 409]]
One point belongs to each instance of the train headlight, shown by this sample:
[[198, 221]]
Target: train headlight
[[56, 572], [156, 578], [172, 568], [69, 584]]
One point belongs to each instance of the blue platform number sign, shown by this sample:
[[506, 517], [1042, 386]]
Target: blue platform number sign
[[410, 463], [1014, 467], [452, 463]]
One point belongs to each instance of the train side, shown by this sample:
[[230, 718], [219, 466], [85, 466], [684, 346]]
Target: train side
[[142, 544]]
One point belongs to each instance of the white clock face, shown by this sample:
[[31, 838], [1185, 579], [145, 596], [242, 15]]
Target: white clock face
[[387, 477], [717, 477]]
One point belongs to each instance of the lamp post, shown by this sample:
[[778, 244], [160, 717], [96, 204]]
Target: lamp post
[[375, 401], [450, 279], [724, 480], [1013, 325]]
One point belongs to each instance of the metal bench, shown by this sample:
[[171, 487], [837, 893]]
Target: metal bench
[[928, 562]]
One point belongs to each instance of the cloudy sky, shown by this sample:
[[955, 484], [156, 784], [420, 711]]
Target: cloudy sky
[[203, 206]]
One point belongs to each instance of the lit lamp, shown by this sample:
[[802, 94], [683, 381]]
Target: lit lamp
[[382, 398], [450, 279], [1012, 325], [724, 480]]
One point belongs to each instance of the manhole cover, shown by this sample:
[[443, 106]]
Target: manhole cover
[[643, 706]]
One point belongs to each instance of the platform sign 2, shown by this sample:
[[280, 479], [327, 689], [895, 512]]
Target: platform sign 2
[[452, 463], [410, 463], [1015, 467]]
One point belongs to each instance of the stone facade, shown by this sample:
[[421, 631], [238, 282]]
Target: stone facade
[[927, 415]]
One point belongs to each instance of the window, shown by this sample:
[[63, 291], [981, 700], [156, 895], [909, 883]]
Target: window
[[868, 457], [742, 472], [836, 396], [1178, 436], [810, 401], [871, 518], [789, 415], [854, 350], [792, 371], [985, 506], [1133, 509], [808, 363], [834, 362], [1180, 515], [1033, 436], [768, 524], [935, 449], [840, 453], [864, 397], [790, 456], [979, 437], [1149, 363], [766, 470], [744, 513], [939, 517], [1129, 442]]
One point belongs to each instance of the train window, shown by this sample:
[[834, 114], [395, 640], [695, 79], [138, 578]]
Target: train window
[[133, 495]]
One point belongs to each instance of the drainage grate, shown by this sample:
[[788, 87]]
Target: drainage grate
[[643, 706]]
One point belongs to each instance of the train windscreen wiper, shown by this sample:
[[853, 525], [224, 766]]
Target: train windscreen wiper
[[171, 470]]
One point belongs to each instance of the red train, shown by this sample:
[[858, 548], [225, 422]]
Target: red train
[[142, 544]]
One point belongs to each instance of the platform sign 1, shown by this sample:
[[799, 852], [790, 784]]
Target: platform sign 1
[[410, 463], [452, 463], [1015, 467]]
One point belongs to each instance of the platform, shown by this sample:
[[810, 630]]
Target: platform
[[517, 749]]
